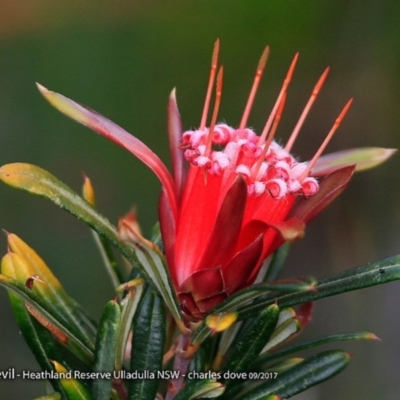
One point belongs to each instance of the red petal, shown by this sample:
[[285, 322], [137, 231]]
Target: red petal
[[226, 230], [203, 284], [249, 233], [196, 310], [189, 307], [196, 220], [267, 209], [290, 230], [179, 165], [243, 266], [208, 304], [330, 188], [168, 232]]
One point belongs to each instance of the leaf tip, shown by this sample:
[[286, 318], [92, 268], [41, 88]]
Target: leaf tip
[[221, 322], [372, 336], [42, 89], [172, 95]]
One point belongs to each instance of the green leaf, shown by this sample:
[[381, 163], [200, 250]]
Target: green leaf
[[53, 396], [75, 389], [276, 264], [42, 308], [108, 258], [264, 358], [39, 339], [248, 346], [129, 306], [273, 397], [363, 157], [227, 338], [244, 296], [26, 264], [282, 366], [105, 352], [104, 247], [159, 276], [147, 345], [37, 181], [271, 373], [204, 389], [371, 274], [287, 325], [155, 236], [302, 376]]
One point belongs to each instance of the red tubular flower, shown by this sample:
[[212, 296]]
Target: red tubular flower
[[238, 203], [234, 197]]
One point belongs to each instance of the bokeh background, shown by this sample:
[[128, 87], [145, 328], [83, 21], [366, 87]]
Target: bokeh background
[[123, 59]]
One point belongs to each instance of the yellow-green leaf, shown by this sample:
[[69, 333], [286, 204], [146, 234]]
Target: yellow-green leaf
[[74, 389]]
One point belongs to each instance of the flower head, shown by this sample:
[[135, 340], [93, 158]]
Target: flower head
[[234, 196], [234, 208]]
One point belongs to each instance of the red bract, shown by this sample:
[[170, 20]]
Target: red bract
[[233, 198]]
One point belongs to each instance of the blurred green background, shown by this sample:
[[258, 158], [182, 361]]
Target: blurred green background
[[123, 59]]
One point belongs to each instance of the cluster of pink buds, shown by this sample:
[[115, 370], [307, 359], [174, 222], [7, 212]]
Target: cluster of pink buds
[[265, 167]]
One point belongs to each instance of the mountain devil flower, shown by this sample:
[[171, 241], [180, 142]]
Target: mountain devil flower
[[233, 196]]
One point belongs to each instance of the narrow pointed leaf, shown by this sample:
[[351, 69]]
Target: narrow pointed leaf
[[276, 264], [301, 377], [225, 343], [39, 340], [107, 256], [28, 263], [363, 158], [75, 390], [245, 296], [287, 325], [238, 391], [105, 352], [147, 346], [283, 366], [129, 306], [159, 275], [371, 274], [104, 247], [40, 182], [220, 322], [269, 397], [85, 353], [264, 358], [202, 389], [250, 343], [53, 396], [109, 129], [284, 286]]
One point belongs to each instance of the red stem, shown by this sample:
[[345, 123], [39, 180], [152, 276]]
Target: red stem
[[181, 364]]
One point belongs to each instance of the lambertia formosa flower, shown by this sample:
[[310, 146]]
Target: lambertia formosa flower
[[233, 196]]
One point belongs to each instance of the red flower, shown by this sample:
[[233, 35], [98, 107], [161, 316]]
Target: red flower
[[234, 197], [238, 203]]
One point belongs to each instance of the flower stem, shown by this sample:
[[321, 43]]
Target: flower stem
[[181, 364]]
